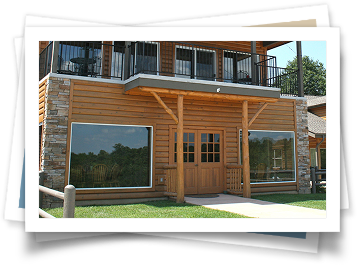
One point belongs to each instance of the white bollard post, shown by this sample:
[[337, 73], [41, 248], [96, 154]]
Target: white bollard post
[[69, 201]]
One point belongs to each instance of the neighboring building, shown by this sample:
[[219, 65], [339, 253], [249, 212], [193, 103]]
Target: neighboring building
[[129, 120], [317, 130]]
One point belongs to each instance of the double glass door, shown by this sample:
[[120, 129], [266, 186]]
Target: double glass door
[[203, 161]]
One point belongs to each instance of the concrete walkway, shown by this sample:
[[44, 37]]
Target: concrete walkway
[[255, 208]]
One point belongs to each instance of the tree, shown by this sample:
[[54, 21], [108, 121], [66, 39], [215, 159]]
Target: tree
[[314, 75]]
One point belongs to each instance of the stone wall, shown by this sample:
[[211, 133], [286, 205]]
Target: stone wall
[[303, 156], [54, 142]]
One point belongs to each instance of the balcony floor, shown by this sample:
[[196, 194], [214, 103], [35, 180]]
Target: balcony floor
[[144, 83]]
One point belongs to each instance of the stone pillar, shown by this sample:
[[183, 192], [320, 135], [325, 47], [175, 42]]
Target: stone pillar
[[303, 157], [54, 142]]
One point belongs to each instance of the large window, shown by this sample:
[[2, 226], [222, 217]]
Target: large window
[[271, 156], [110, 156]]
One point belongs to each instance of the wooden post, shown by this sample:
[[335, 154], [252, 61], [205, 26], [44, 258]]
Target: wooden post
[[300, 70], [245, 149], [54, 61], [180, 173]]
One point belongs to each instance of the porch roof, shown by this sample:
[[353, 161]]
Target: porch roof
[[317, 125], [144, 83]]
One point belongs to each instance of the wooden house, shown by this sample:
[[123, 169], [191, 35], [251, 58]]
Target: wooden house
[[316, 106], [131, 120]]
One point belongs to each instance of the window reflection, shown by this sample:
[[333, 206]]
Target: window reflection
[[104, 156], [271, 156]]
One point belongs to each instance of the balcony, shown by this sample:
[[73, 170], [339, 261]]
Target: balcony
[[121, 60]]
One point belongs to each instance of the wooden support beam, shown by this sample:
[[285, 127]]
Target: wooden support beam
[[245, 151], [206, 94], [180, 172], [167, 109], [257, 114]]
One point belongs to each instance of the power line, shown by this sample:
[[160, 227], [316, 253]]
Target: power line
[[291, 49]]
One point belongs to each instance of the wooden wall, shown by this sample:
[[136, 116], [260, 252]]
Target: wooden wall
[[97, 102], [41, 100], [42, 45]]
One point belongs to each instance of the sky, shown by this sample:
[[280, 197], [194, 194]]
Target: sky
[[316, 50], [95, 137]]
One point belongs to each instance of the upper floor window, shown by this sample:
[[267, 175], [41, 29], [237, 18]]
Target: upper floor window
[[237, 67], [145, 56], [118, 58], [195, 63]]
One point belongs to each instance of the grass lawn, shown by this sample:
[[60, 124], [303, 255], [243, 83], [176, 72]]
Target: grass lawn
[[315, 201], [152, 209]]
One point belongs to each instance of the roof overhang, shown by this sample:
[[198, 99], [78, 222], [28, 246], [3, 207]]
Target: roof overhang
[[273, 44], [144, 84]]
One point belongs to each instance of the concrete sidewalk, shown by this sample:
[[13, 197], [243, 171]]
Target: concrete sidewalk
[[255, 208]]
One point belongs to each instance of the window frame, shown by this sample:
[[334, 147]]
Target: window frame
[[116, 188], [194, 63], [157, 57], [294, 157], [234, 80]]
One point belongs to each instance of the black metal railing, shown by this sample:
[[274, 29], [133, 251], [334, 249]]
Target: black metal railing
[[284, 78], [45, 61], [93, 59], [187, 60], [175, 59]]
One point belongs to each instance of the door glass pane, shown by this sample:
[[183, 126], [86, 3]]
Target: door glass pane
[[191, 157], [210, 147], [203, 147], [210, 157], [204, 157], [188, 147], [203, 137], [210, 137], [185, 137]]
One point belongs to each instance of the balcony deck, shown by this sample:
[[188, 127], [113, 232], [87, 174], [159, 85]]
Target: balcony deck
[[203, 68]]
